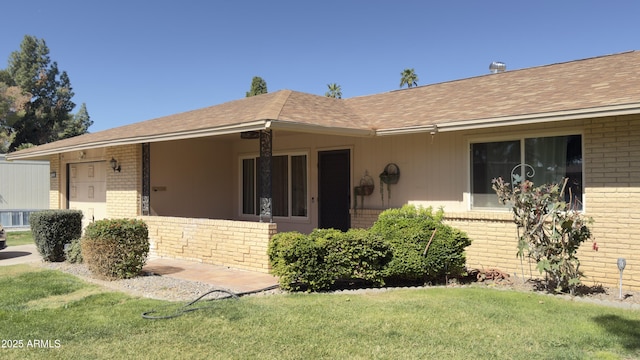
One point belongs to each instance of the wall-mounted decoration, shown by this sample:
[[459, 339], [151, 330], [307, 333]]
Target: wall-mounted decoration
[[365, 188], [389, 176]]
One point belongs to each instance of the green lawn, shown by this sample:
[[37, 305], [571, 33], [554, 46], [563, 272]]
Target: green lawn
[[82, 321], [15, 238]]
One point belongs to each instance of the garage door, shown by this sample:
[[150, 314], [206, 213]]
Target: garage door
[[88, 190]]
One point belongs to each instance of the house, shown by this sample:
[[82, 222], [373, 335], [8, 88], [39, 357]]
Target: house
[[24, 188], [215, 184]]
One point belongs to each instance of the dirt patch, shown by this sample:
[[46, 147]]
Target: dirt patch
[[595, 293]]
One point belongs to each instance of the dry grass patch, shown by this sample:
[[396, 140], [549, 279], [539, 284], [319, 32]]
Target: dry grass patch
[[63, 300]]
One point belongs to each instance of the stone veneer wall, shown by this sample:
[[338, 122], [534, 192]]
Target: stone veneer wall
[[237, 244]]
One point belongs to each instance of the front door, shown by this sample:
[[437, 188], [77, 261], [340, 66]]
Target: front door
[[334, 189], [88, 190]]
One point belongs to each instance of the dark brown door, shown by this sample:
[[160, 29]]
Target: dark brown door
[[334, 190]]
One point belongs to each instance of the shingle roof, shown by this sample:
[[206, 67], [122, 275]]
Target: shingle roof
[[605, 83], [576, 85]]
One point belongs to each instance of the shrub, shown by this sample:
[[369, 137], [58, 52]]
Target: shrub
[[289, 253], [73, 252], [408, 231], [316, 261], [300, 260], [116, 248], [52, 229], [360, 255], [550, 231]]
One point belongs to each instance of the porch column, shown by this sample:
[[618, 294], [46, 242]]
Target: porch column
[[146, 179], [265, 176]]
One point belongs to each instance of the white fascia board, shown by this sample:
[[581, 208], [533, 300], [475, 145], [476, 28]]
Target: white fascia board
[[318, 129], [605, 111], [407, 130]]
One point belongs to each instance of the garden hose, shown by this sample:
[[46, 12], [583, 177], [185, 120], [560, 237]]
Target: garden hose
[[188, 307]]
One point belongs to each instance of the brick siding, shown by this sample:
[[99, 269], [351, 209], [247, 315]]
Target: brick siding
[[612, 197], [237, 244], [364, 218], [54, 182], [124, 187]]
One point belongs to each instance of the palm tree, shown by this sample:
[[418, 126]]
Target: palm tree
[[334, 91], [408, 78]]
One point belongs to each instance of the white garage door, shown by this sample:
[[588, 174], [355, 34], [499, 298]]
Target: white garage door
[[88, 190]]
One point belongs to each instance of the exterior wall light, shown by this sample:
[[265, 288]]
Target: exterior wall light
[[622, 263], [114, 165]]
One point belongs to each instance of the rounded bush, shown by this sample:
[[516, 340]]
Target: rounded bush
[[360, 255], [53, 229], [316, 261], [408, 230], [298, 260], [116, 248]]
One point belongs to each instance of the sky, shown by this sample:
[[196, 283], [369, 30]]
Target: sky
[[135, 60]]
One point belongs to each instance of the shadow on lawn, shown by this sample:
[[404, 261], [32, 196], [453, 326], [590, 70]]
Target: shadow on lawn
[[628, 331]]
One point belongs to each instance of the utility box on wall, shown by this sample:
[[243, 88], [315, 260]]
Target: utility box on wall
[[24, 188]]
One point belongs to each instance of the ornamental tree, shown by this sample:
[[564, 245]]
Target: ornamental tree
[[550, 230]]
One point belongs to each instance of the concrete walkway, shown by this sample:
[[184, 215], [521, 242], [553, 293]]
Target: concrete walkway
[[20, 254], [219, 276]]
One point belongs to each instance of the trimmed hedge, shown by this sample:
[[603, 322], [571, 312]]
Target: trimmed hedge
[[53, 229], [116, 248], [316, 261], [361, 255], [395, 250], [408, 230]]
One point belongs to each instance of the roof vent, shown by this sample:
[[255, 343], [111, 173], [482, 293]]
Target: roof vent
[[497, 67]]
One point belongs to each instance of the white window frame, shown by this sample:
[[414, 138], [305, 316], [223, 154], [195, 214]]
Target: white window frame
[[256, 184], [521, 137]]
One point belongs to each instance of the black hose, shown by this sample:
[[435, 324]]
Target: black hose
[[187, 307]]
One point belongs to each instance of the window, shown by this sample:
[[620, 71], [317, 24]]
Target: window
[[541, 159], [288, 185]]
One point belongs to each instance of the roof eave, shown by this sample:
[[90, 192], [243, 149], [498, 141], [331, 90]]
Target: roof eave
[[407, 130], [589, 113], [217, 131], [319, 129]]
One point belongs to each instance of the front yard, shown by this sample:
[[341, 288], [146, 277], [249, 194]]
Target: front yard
[[49, 314]]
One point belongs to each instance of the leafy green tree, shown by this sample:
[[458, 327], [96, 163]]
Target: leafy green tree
[[408, 78], [258, 86], [6, 134], [335, 91], [11, 108], [76, 124], [50, 104], [5, 78]]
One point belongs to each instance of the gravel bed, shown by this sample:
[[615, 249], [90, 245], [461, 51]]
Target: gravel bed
[[148, 286], [173, 289]]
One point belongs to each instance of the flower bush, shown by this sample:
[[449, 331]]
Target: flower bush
[[550, 231]]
